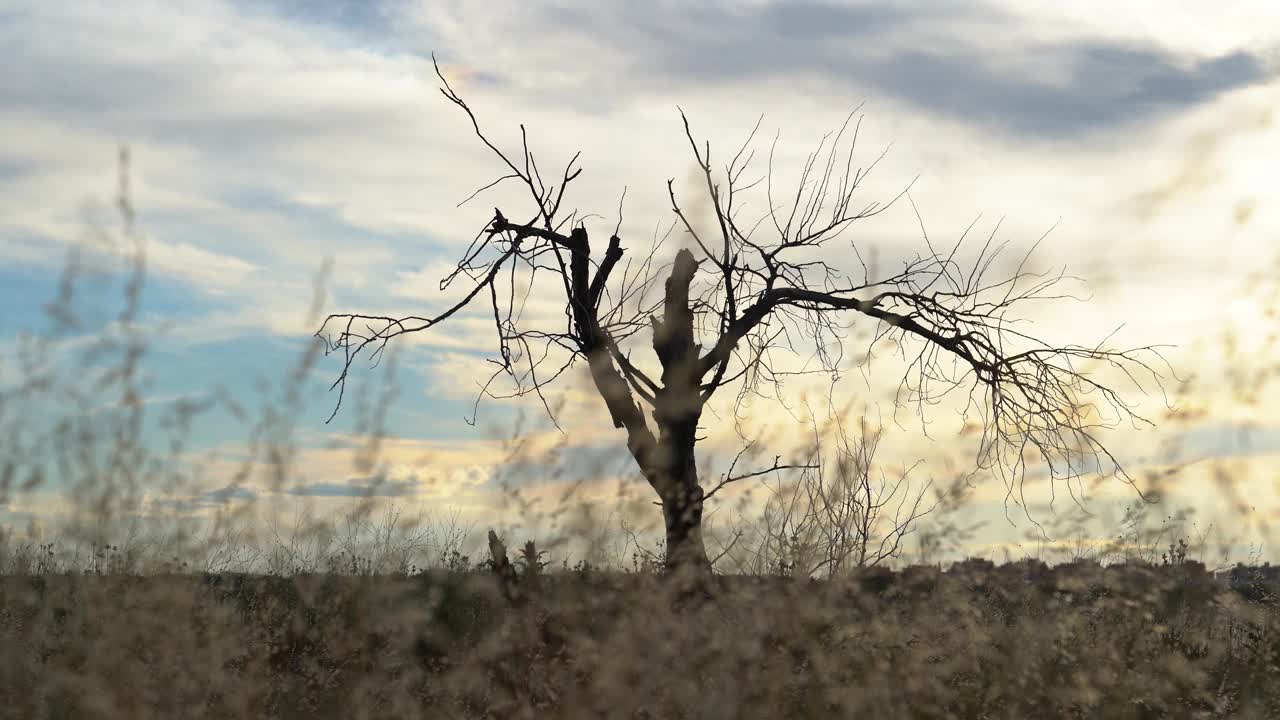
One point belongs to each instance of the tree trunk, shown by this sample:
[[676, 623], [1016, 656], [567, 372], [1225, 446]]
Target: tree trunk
[[677, 409], [682, 513], [667, 459]]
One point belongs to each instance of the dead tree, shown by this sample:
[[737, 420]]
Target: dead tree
[[736, 297]]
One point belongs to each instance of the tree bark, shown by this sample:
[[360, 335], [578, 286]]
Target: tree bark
[[677, 409], [682, 514], [666, 460]]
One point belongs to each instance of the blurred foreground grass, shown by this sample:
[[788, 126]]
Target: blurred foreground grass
[[1014, 641]]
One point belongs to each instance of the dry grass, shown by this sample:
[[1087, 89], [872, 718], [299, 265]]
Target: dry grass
[[1020, 640]]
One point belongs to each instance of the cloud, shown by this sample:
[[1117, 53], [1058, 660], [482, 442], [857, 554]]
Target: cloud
[[357, 488], [209, 500], [972, 63], [201, 267], [363, 20], [1202, 163], [567, 462], [269, 136], [1107, 87]]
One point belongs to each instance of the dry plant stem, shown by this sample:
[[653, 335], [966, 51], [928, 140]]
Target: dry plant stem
[[759, 286], [838, 516]]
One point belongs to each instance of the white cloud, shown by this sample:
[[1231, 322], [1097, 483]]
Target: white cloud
[[284, 145]]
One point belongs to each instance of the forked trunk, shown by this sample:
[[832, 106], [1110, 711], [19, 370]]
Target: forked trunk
[[677, 408], [667, 458]]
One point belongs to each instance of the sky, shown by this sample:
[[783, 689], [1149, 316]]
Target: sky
[[269, 141]]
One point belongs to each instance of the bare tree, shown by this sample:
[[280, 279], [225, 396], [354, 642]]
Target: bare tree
[[737, 297]]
